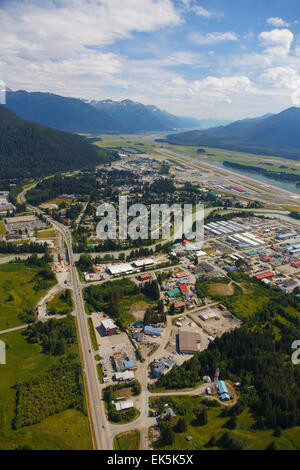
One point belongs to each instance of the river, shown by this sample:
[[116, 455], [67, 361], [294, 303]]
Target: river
[[266, 179]]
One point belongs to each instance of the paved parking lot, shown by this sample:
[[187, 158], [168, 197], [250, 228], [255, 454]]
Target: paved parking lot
[[109, 345]]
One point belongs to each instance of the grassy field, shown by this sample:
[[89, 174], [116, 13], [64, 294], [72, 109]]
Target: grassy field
[[66, 430], [127, 440], [59, 305], [220, 289], [46, 234], [17, 293], [252, 439], [128, 303], [2, 228], [93, 334], [146, 144]]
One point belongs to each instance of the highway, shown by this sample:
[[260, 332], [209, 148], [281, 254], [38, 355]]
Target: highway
[[95, 403]]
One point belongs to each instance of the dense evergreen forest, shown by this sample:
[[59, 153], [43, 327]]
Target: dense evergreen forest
[[33, 150], [50, 188]]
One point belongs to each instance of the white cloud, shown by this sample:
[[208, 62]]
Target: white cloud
[[277, 22], [200, 11], [212, 38], [221, 87], [57, 29], [57, 45], [277, 42], [282, 77]]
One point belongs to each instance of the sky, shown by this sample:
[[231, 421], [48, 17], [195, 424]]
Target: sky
[[220, 59]]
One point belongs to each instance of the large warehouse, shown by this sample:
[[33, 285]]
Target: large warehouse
[[118, 269], [140, 263], [188, 342]]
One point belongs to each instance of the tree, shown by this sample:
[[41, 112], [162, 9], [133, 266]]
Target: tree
[[167, 436], [271, 446], [181, 425], [232, 422], [202, 417], [172, 309], [212, 442], [277, 432], [160, 306]]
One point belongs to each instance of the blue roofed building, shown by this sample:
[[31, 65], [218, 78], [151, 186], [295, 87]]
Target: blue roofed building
[[129, 365], [223, 392], [150, 330], [139, 324]]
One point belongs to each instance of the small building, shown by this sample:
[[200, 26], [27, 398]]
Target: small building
[[162, 366], [184, 289], [123, 376], [179, 304], [180, 274], [206, 379], [222, 390], [172, 293], [124, 405], [208, 315], [129, 365], [109, 327], [188, 342], [167, 413], [138, 337], [206, 267], [150, 330], [145, 277]]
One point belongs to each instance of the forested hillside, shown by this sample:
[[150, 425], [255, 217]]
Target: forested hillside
[[32, 150]]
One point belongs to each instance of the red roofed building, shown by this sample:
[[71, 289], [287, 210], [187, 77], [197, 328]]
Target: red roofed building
[[264, 275], [179, 304], [183, 289], [296, 264], [145, 277]]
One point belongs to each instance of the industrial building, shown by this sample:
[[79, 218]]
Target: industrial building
[[265, 275], [29, 222], [119, 361], [188, 342], [150, 330], [288, 287], [109, 327], [224, 227], [140, 263], [162, 366], [122, 376], [118, 269], [208, 315], [124, 405]]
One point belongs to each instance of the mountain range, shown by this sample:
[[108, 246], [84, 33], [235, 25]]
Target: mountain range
[[29, 150], [274, 134], [95, 117]]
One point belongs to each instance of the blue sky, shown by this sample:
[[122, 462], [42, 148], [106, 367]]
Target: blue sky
[[208, 59]]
